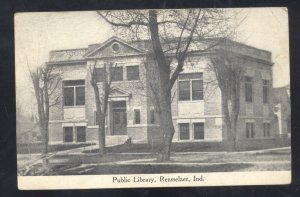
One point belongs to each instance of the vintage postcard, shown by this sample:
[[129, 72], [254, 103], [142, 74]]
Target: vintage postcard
[[152, 98]]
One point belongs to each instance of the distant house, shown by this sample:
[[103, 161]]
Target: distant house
[[196, 106], [27, 130], [281, 97]]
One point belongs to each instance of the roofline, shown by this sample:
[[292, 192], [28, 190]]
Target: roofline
[[75, 49], [142, 52], [192, 53], [199, 53], [249, 46], [239, 43], [66, 62]]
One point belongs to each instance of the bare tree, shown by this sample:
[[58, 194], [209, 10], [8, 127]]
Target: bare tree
[[229, 69], [173, 35], [45, 83], [101, 97]]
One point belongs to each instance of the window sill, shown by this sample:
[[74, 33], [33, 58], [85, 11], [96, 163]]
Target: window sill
[[192, 140], [75, 142], [76, 106], [191, 101], [117, 82], [189, 140]]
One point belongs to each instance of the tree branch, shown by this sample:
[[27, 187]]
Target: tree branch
[[123, 24]]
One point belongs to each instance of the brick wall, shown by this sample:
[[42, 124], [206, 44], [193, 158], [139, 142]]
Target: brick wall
[[136, 100], [209, 109], [55, 133], [138, 134], [57, 113], [154, 134], [92, 135], [259, 72]]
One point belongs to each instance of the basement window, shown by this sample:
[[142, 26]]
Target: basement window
[[80, 134], [199, 131], [68, 134], [266, 129], [184, 130], [249, 130]]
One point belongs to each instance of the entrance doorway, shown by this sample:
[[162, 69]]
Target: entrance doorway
[[119, 118]]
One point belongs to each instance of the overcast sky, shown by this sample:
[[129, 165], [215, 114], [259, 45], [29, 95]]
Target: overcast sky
[[38, 33]]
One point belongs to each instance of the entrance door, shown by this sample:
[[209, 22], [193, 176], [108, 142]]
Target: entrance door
[[119, 117]]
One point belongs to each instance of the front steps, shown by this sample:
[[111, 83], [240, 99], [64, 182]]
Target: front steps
[[113, 140]]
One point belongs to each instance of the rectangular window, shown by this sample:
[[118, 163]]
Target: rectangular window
[[266, 91], [152, 116], [100, 74], [81, 135], [198, 131], [116, 73], [249, 130], [197, 90], [68, 134], [184, 130], [80, 96], [184, 90], [137, 116], [248, 89], [190, 86], [69, 96], [74, 93], [266, 129], [133, 73]]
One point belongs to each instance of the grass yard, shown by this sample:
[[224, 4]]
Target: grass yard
[[38, 147], [203, 146], [181, 162], [148, 169], [120, 163]]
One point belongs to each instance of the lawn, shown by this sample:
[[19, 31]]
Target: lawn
[[33, 148], [148, 169], [242, 145], [120, 163]]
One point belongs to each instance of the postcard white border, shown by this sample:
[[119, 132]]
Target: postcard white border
[[106, 181]]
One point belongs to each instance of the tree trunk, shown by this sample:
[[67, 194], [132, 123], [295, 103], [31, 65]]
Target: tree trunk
[[233, 130], [44, 129], [101, 133], [166, 122], [167, 128], [229, 121]]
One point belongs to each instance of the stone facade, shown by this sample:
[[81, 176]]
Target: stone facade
[[134, 98]]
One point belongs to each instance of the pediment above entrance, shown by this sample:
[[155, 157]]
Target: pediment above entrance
[[113, 47], [117, 92]]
